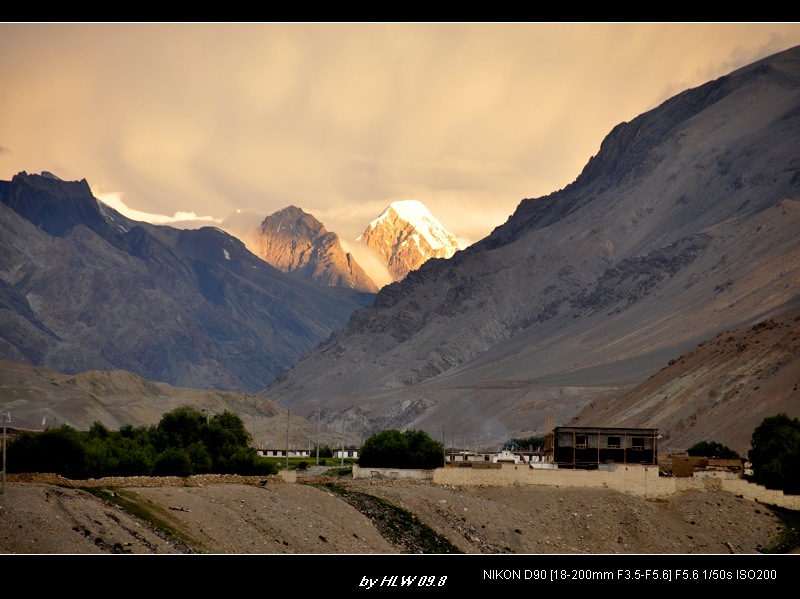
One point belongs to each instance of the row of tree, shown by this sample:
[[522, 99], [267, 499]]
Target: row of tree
[[183, 443], [774, 454], [186, 442]]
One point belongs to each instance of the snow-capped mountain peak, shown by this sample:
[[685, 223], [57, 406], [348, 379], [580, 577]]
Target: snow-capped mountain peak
[[406, 235]]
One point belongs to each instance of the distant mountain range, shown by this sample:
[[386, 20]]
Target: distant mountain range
[[402, 238], [297, 243], [685, 224], [84, 288], [659, 289]]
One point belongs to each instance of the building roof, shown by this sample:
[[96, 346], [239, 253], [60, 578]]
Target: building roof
[[606, 430]]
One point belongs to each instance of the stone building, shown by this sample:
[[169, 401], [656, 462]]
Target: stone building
[[592, 447]]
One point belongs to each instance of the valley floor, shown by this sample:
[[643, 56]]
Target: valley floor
[[313, 516]]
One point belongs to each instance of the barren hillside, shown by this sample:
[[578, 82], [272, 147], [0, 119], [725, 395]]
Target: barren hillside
[[43, 516], [720, 391]]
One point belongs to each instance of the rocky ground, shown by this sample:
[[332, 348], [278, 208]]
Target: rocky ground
[[345, 516]]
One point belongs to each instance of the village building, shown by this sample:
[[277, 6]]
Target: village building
[[682, 464], [593, 447]]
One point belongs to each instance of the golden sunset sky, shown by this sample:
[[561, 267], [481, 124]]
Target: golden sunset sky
[[340, 119]]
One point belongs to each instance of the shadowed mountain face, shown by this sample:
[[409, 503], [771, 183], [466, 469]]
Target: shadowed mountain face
[[685, 224], [84, 288]]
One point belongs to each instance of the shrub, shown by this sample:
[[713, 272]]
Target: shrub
[[409, 449], [184, 442], [58, 450], [173, 462], [711, 449], [775, 453]]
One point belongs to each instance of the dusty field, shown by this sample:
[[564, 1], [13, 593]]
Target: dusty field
[[297, 518]]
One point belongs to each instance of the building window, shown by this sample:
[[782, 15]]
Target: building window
[[581, 442], [637, 443], [614, 443]]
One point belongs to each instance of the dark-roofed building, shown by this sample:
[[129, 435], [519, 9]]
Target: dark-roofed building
[[590, 447]]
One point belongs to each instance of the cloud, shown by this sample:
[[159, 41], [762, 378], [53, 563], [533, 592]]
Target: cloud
[[194, 121], [187, 219]]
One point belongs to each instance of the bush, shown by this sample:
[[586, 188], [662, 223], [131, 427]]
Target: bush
[[180, 428], [137, 461], [775, 453], [173, 462], [324, 452], [184, 442], [57, 451], [409, 449], [711, 449]]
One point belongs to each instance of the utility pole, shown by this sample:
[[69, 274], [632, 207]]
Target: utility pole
[[288, 412], [444, 449], [6, 418], [318, 436]]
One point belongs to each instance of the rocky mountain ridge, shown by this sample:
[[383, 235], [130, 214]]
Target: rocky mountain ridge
[[84, 288], [39, 398], [406, 235], [401, 239], [295, 242], [684, 225], [721, 389]]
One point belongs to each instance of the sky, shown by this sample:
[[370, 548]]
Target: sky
[[224, 124]]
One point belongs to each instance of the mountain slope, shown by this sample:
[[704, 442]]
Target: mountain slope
[[721, 389], [84, 288], [297, 243], [406, 235], [38, 397], [684, 224]]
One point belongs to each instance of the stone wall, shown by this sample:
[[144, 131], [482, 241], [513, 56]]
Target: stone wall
[[393, 473], [628, 478], [198, 480], [636, 479]]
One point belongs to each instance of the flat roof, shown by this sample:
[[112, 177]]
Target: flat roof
[[604, 429]]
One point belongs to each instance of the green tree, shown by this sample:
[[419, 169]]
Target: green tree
[[134, 459], [775, 453], [409, 449], [100, 458], [58, 450], [202, 461], [183, 443], [223, 437], [423, 450], [324, 451], [173, 462], [385, 449], [711, 449], [180, 428], [98, 430], [233, 425]]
